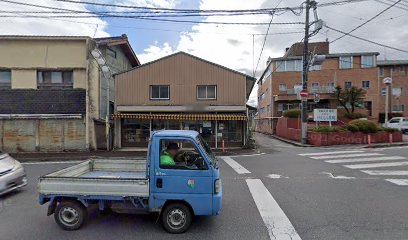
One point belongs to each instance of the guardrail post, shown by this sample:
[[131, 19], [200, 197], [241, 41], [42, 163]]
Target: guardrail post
[[369, 139], [390, 138]]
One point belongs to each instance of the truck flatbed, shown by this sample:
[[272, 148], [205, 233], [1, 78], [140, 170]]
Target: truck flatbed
[[100, 177]]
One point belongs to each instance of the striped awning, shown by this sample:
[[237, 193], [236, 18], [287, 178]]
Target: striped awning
[[190, 117]]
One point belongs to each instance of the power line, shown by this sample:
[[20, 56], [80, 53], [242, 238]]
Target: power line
[[366, 22], [366, 40]]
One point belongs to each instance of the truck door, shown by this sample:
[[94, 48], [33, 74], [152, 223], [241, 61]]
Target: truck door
[[188, 178]]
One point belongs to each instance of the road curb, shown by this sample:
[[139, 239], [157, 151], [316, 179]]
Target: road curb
[[294, 143]]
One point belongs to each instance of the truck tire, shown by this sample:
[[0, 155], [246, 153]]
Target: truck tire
[[70, 215], [176, 218]]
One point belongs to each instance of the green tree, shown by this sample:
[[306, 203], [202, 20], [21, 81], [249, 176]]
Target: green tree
[[350, 98]]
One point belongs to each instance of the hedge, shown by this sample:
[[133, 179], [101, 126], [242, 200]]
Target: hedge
[[355, 115], [326, 129], [365, 126], [292, 113]]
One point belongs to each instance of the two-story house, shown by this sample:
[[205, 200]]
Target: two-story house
[[52, 92], [281, 82], [398, 97], [181, 91]]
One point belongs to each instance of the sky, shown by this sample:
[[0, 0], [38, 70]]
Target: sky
[[234, 46]]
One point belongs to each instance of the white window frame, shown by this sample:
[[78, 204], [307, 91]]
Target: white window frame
[[159, 98], [346, 85], [283, 84], [381, 71], [351, 62], [206, 92], [369, 84], [383, 91], [364, 65]]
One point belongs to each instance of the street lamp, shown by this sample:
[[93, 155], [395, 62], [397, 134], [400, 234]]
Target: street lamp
[[96, 53], [387, 81]]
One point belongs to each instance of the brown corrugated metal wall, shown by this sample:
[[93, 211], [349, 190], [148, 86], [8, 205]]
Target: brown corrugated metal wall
[[183, 73]]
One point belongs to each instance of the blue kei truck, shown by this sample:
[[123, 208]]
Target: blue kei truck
[[177, 192]]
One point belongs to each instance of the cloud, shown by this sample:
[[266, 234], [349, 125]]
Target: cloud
[[154, 52]]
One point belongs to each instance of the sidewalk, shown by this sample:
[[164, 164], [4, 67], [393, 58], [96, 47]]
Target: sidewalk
[[67, 156]]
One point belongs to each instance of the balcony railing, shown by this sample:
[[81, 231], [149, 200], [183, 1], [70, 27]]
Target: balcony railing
[[320, 89]]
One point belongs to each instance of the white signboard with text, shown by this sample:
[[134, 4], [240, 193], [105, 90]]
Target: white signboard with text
[[325, 115]]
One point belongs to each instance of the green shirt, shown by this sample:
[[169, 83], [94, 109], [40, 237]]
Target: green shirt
[[166, 159]]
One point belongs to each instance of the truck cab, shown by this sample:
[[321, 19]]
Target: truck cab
[[186, 185]]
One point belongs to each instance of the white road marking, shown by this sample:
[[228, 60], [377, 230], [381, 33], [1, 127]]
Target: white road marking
[[249, 155], [349, 155], [275, 176], [336, 177], [328, 153], [376, 165], [386, 148], [236, 166], [386, 172], [46, 162], [399, 182], [277, 223], [366, 159]]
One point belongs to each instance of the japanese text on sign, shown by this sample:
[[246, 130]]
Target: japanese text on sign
[[325, 115]]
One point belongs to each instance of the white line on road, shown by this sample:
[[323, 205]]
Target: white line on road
[[376, 165], [386, 172], [336, 177], [399, 182], [328, 153], [278, 225], [46, 162], [249, 155], [349, 155], [236, 166], [388, 148], [372, 159]]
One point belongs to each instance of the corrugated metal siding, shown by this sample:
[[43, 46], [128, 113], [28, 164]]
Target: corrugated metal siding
[[183, 73], [42, 135]]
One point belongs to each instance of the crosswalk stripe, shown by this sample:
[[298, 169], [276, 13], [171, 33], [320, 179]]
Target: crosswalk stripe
[[386, 172], [376, 165], [349, 155], [372, 159], [328, 153], [236, 166], [399, 182], [276, 221]]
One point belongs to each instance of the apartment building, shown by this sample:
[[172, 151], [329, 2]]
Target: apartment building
[[398, 97], [281, 82], [52, 93], [182, 91]]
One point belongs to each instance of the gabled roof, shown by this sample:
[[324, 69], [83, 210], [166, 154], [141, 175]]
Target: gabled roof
[[123, 42], [184, 53]]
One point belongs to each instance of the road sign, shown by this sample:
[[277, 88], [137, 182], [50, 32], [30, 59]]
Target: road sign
[[316, 98], [304, 93], [325, 115]]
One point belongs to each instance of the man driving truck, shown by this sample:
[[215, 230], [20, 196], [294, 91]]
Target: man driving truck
[[167, 158]]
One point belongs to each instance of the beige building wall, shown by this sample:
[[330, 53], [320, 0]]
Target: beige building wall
[[79, 76], [24, 78], [183, 73]]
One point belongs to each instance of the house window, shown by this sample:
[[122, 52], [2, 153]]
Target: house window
[[207, 92], [316, 68], [367, 61], [160, 92], [398, 108], [401, 68], [315, 85], [111, 52], [331, 85], [54, 79], [280, 107], [346, 62], [290, 66], [282, 87], [366, 84], [347, 85], [280, 66], [397, 91], [383, 91], [381, 71], [5, 79]]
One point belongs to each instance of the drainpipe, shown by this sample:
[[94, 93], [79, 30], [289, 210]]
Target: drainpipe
[[88, 62]]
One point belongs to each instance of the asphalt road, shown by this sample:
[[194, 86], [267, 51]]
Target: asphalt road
[[305, 195]]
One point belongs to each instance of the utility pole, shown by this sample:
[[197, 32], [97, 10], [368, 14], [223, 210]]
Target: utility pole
[[305, 72]]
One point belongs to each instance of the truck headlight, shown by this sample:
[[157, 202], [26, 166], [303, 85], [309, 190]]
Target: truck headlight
[[217, 186]]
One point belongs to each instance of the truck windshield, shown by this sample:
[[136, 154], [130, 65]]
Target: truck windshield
[[207, 149]]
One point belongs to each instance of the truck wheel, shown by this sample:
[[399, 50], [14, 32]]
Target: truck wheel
[[176, 218], [70, 215]]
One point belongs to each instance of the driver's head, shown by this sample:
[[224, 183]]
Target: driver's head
[[172, 149]]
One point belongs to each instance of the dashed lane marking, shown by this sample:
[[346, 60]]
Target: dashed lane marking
[[277, 223], [236, 166], [350, 160]]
